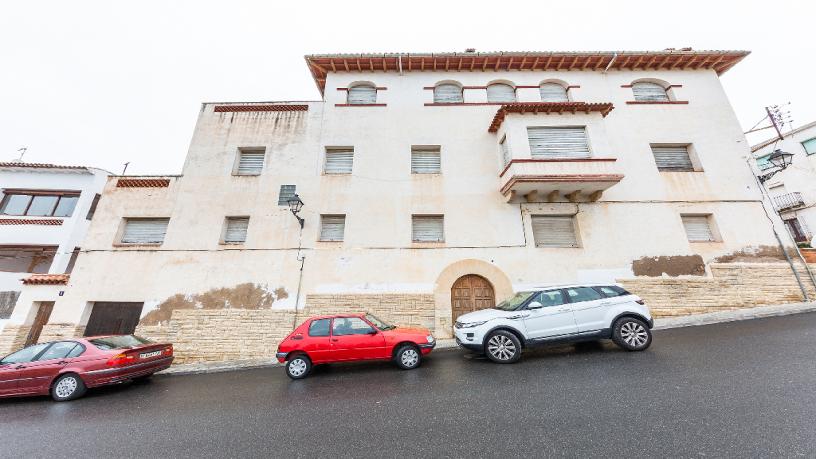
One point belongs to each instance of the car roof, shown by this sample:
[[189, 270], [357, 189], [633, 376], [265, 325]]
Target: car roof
[[588, 284], [332, 316]]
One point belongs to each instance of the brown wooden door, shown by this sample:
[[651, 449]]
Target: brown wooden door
[[43, 313], [109, 318], [471, 293]]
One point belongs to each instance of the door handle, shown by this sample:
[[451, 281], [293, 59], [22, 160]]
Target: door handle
[[19, 367], [62, 362], [335, 339], [564, 310], [606, 303]]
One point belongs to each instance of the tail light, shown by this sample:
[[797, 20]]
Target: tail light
[[121, 360], [168, 351], [640, 302]]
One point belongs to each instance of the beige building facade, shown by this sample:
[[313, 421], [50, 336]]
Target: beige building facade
[[432, 185]]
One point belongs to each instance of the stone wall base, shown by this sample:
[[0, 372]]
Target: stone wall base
[[13, 338], [54, 332]]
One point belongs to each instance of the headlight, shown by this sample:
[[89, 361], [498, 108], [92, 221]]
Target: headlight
[[472, 324], [429, 338]]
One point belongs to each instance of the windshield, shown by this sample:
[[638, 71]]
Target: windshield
[[119, 342], [512, 303], [379, 323]]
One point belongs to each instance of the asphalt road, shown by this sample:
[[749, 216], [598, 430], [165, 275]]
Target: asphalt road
[[742, 389]]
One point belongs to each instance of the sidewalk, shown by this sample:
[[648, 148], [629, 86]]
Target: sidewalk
[[660, 324]]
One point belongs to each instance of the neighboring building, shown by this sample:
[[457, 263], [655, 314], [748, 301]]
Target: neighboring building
[[434, 184], [793, 190], [45, 210]]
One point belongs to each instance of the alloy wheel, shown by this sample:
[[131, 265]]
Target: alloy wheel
[[66, 387], [409, 358], [501, 347], [634, 334], [297, 367]]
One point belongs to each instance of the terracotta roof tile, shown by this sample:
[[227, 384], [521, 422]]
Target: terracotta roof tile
[[47, 279], [31, 221], [38, 165], [142, 183], [262, 108], [546, 108]]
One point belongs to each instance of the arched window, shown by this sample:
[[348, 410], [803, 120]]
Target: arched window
[[362, 94], [647, 91], [448, 93], [553, 92], [501, 92]]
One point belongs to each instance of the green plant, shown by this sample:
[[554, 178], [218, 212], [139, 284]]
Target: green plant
[[803, 245]]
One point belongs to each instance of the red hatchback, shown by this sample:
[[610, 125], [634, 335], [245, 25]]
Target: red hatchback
[[350, 337], [65, 369]]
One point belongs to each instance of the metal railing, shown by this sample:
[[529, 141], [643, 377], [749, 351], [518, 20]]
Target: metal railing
[[788, 201]]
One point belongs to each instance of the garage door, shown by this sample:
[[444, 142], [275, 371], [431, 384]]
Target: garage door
[[110, 318]]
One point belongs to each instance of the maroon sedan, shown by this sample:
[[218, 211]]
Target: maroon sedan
[[65, 369]]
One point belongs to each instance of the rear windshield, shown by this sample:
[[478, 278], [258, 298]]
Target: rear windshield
[[119, 342], [612, 291]]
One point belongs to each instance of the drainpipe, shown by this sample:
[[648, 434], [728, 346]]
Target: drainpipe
[[399, 61]]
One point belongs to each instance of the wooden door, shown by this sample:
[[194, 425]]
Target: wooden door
[[471, 293], [43, 313], [110, 318]]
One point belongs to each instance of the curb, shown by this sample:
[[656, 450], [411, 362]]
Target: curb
[[445, 344]]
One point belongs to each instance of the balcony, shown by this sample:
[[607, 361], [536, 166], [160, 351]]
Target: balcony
[[539, 180], [788, 201]]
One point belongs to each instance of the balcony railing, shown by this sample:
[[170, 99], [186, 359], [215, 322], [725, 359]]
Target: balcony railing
[[788, 201]]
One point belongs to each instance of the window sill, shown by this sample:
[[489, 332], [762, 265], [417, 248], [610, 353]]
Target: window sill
[[657, 102], [236, 245], [329, 242], [558, 246], [459, 104], [428, 243], [246, 175], [360, 105], [705, 242], [681, 171], [137, 245]]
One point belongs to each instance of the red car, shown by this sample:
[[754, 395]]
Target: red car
[[65, 369], [350, 337]]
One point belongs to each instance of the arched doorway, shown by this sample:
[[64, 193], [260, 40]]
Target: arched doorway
[[471, 293]]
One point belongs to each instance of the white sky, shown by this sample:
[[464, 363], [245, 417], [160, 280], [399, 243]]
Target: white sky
[[98, 83]]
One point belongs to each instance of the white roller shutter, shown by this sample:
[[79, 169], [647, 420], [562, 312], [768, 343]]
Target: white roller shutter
[[649, 92], [505, 151], [286, 192], [358, 95], [448, 93], [501, 92], [236, 229], [144, 230], [697, 228], [426, 160], [554, 231], [553, 92], [332, 227], [672, 158], [250, 162], [428, 228], [558, 142], [339, 160]]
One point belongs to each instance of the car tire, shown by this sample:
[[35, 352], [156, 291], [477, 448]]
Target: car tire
[[631, 334], [408, 357], [501, 346], [67, 387], [298, 366]]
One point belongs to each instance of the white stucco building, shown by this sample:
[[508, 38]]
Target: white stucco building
[[45, 210], [434, 184]]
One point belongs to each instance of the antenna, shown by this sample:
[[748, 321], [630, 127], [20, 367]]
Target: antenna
[[125, 169], [22, 153], [778, 116]]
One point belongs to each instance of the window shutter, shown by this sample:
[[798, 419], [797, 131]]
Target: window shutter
[[505, 151], [286, 192], [428, 228], [501, 92], [426, 160], [332, 227], [236, 230], [558, 142], [553, 92], [448, 93], [698, 228], [672, 158], [554, 231], [649, 92], [362, 94], [251, 162], [145, 230], [339, 161]]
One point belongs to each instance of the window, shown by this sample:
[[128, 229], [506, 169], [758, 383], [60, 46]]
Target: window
[[553, 92], [551, 298], [25, 355], [319, 327], [339, 160], [362, 94], [426, 160], [611, 291], [332, 227], [286, 193], [649, 92], [554, 231], [235, 230], [342, 326], [448, 93], [672, 158], [38, 204], [119, 342], [579, 294], [505, 151], [250, 161], [58, 350], [144, 230], [558, 142], [698, 228], [94, 203], [763, 162], [810, 146], [27, 259], [501, 92], [427, 228]]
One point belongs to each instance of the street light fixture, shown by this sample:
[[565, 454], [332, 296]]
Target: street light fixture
[[780, 160], [295, 204]]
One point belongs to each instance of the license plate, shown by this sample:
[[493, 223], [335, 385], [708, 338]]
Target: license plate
[[147, 355]]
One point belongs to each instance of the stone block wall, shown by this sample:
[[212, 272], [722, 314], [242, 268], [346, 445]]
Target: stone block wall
[[408, 310], [54, 332], [13, 338]]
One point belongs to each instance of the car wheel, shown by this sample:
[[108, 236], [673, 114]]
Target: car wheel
[[503, 347], [298, 367], [67, 387], [631, 334], [408, 357]]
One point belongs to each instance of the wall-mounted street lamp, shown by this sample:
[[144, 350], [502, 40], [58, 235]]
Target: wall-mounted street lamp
[[780, 160], [295, 204]]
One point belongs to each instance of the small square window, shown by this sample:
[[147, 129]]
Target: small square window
[[286, 193], [698, 228], [144, 230], [428, 228], [810, 146], [339, 160], [235, 230], [672, 158], [554, 231], [250, 161], [426, 160], [332, 228]]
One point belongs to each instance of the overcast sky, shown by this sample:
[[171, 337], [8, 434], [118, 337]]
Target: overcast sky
[[104, 82]]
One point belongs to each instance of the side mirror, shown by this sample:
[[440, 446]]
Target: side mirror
[[373, 331], [535, 305]]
